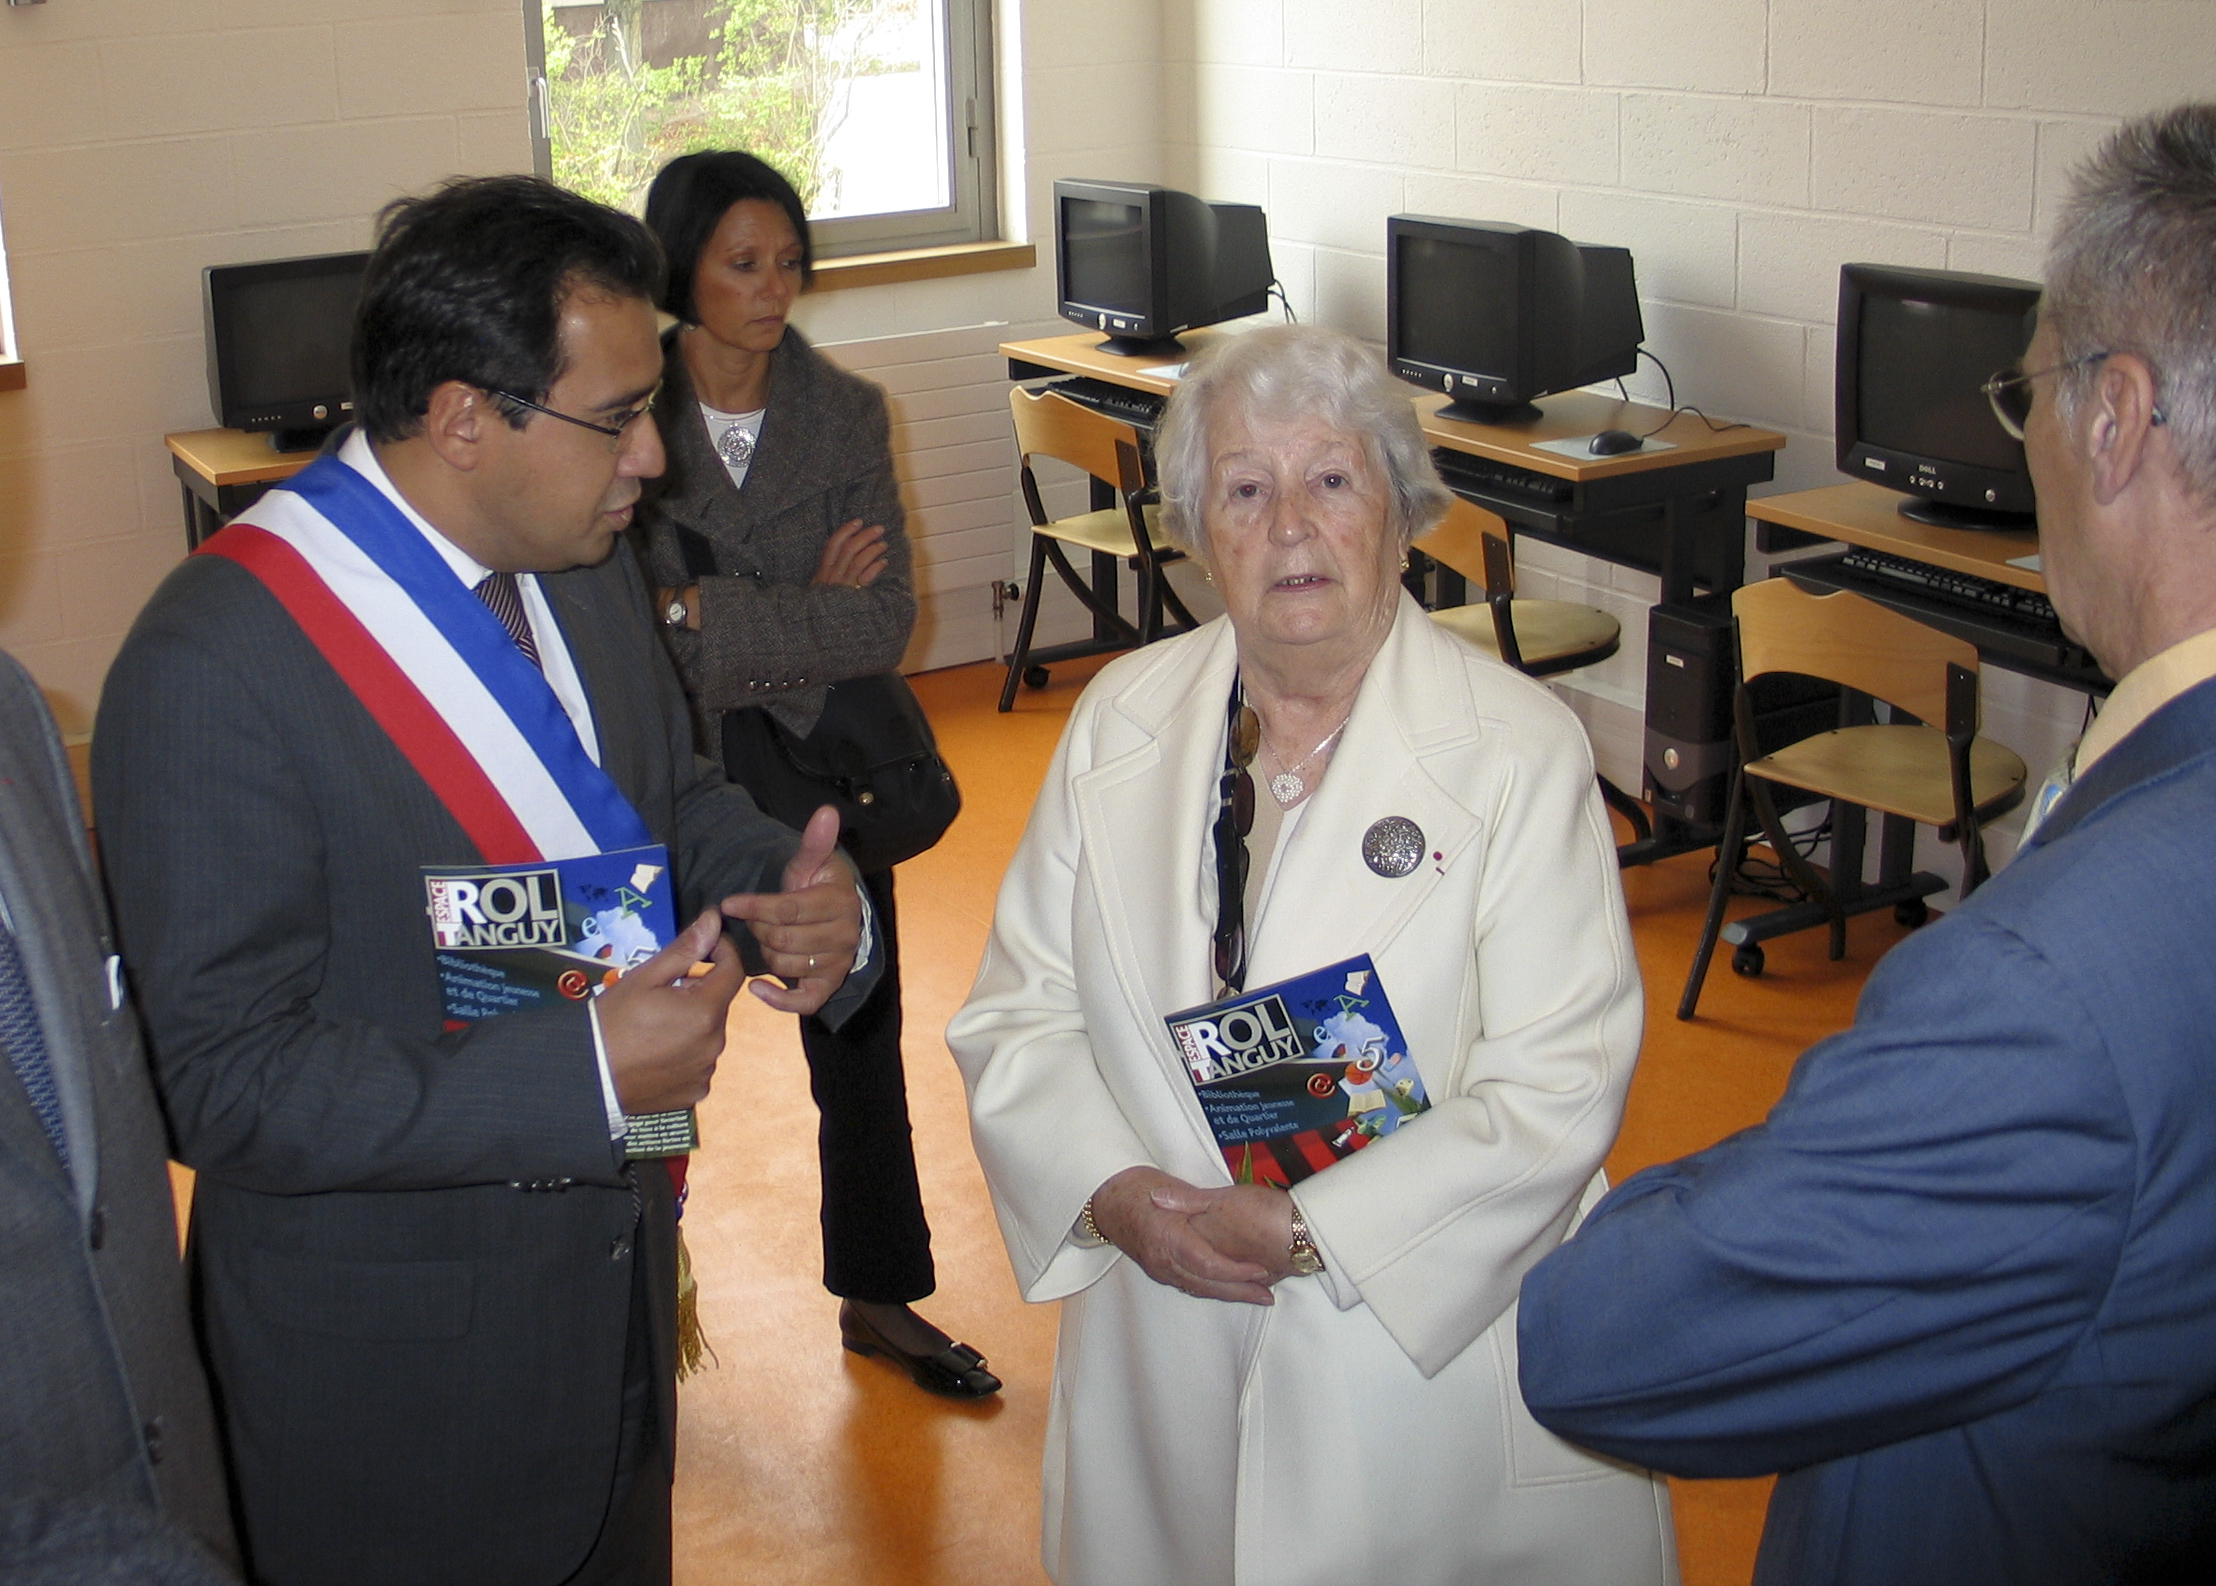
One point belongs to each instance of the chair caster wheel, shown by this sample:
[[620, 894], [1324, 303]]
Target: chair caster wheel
[[1034, 677], [1747, 961], [1911, 914]]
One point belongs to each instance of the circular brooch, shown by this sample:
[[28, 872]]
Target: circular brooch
[[1393, 846]]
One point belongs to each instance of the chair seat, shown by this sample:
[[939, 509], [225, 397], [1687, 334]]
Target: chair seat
[[1901, 770], [1548, 632], [1107, 530]]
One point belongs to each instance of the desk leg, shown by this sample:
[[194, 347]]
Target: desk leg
[[201, 520]]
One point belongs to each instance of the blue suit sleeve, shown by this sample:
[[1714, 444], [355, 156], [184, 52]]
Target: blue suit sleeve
[[1916, 1237]]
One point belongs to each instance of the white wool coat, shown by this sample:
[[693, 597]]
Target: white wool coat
[[1368, 1425]]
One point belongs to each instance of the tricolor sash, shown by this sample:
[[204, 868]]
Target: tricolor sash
[[432, 665]]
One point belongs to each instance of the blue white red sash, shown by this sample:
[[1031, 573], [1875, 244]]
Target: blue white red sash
[[434, 667]]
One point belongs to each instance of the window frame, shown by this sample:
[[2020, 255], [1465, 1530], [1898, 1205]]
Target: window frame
[[971, 130], [11, 354]]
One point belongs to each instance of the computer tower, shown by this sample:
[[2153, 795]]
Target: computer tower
[[1690, 671], [1692, 668]]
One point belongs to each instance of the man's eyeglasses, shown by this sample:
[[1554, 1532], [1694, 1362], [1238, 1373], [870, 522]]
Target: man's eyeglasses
[[1234, 819], [613, 431], [2010, 392]]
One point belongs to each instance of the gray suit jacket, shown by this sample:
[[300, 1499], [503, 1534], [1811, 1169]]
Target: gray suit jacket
[[101, 1396], [414, 1244], [768, 636]]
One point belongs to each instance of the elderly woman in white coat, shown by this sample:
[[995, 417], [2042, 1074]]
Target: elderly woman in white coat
[[1319, 1386]]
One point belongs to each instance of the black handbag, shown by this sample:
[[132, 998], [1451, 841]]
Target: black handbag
[[872, 754]]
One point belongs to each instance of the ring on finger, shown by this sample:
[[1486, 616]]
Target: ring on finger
[[811, 963]]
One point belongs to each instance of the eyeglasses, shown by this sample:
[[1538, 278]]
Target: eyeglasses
[[1234, 819], [613, 431], [2010, 392]]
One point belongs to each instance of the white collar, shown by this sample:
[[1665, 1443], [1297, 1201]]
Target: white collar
[[360, 456]]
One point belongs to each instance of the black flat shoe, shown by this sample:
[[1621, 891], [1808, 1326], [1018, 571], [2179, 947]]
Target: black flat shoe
[[955, 1372]]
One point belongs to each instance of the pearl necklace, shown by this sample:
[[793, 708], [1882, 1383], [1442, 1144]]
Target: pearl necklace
[[1287, 787]]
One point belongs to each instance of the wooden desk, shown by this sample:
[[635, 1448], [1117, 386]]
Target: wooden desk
[[1680, 514], [1857, 513], [224, 472]]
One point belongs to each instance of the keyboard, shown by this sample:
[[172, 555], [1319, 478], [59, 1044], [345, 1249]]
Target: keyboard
[[1483, 475], [1140, 409], [1966, 590]]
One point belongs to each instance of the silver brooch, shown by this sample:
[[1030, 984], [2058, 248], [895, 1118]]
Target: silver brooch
[[736, 448], [1393, 847]]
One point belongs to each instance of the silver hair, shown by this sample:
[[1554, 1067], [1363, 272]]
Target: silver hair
[[1284, 371], [2132, 268]]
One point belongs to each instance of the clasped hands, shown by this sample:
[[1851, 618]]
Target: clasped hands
[[663, 1022], [1227, 1243]]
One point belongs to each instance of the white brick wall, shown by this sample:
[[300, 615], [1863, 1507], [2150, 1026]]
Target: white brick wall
[[1743, 149], [143, 139], [139, 141]]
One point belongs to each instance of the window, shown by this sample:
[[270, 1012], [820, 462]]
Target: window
[[879, 110]]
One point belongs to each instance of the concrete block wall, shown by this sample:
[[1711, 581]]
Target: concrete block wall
[[141, 140], [1743, 149]]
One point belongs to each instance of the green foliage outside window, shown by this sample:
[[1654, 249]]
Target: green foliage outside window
[[768, 83]]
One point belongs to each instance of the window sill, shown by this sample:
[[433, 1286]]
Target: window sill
[[923, 264], [11, 374]]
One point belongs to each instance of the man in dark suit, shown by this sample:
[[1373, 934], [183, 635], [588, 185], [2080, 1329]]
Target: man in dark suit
[[101, 1398], [436, 1299], [1960, 1287]]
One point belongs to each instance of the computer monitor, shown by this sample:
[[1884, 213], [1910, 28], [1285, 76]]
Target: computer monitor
[[1915, 348], [1497, 315], [1143, 262], [278, 334]]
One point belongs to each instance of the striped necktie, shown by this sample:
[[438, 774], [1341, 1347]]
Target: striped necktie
[[26, 1043], [504, 600]]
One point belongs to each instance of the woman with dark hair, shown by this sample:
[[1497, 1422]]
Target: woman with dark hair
[[775, 544]]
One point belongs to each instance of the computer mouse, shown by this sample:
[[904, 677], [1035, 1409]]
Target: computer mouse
[[1608, 443]]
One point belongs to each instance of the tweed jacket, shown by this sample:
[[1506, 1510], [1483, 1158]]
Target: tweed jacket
[[101, 1397], [768, 636]]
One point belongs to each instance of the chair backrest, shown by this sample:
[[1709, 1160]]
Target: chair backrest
[[1846, 639], [1049, 424], [1475, 544]]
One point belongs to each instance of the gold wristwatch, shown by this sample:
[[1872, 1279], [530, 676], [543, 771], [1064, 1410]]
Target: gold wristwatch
[[1302, 1252]]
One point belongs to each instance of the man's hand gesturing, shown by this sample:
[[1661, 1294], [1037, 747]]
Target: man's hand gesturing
[[809, 931]]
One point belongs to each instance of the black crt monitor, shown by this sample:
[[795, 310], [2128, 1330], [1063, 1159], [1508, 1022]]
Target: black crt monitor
[[1498, 315], [1915, 350], [1143, 262], [279, 334]]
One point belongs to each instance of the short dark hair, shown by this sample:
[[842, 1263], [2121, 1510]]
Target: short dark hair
[[690, 197], [467, 283]]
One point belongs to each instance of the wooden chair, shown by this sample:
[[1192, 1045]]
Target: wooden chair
[[1051, 425], [1537, 637], [1943, 776]]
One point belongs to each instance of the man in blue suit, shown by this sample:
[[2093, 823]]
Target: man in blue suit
[[1960, 1288]]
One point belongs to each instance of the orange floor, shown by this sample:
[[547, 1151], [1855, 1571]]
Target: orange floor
[[799, 1464]]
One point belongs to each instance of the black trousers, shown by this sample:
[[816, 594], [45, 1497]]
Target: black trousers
[[876, 1244]]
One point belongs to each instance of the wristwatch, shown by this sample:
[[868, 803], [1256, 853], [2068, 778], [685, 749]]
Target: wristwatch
[[674, 613], [1302, 1252]]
